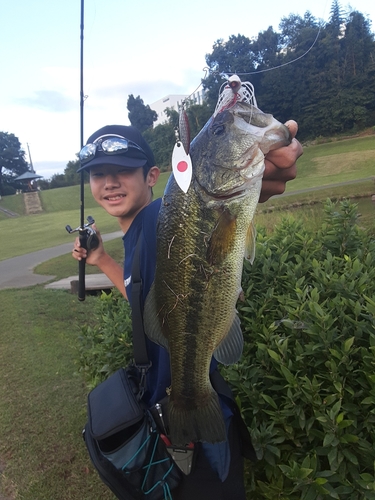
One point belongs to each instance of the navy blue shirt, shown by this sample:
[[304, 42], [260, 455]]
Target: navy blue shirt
[[158, 377]]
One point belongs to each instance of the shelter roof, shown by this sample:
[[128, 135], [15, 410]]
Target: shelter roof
[[28, 176]]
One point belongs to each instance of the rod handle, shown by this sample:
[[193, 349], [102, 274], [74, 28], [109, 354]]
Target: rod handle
[[81, 268]]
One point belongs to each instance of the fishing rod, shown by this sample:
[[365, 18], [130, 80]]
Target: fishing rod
[[82, 232], [87, 236]]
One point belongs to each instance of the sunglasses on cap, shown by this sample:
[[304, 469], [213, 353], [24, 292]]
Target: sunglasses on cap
[[111, 144]]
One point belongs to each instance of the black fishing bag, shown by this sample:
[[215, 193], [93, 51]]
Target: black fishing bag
[[124, 442]]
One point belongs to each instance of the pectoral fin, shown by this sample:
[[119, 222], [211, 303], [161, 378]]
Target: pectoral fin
[[250, 243], [230, 348], [222, 237], [151, 321]]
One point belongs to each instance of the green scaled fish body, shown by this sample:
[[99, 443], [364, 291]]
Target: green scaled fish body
[[202, 239]]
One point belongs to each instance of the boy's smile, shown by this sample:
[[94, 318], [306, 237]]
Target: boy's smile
[[121, 191]]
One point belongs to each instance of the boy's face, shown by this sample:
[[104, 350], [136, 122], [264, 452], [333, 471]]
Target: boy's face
[[121, 191]]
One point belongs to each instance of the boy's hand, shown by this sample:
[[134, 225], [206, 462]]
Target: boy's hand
[[280, 166], [93, 256]]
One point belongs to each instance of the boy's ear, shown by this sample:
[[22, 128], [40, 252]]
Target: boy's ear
[[152, 176]]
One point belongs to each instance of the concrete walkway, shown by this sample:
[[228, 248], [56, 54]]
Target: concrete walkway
[[18, 272]]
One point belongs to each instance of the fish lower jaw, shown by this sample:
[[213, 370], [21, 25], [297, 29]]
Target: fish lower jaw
[[234, 195], [229, 196], [219, 197], [240, 192]]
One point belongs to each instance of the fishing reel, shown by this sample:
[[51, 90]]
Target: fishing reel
[[92, 240]]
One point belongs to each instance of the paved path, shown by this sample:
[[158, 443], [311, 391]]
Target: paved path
[[18, 272], [9, 213]]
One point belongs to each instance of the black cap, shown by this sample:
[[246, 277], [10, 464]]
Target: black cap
[[132, 158]]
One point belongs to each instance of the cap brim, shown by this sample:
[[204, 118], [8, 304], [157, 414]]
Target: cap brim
[[117, 160]]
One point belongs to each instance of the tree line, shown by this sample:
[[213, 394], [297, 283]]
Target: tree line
[[320, 74]]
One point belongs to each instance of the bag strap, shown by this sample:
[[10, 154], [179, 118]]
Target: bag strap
[[139, 338]]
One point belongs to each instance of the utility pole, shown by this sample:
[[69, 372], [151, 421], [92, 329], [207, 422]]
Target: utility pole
[[31, 161]]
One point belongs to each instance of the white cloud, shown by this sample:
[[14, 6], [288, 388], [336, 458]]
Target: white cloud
[[48, 100], [48, 168]]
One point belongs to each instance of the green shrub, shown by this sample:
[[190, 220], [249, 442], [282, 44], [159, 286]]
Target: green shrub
[[306, 381], [106, 346]]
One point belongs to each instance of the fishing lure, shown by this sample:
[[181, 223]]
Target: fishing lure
[[181, 161], [235, 90]]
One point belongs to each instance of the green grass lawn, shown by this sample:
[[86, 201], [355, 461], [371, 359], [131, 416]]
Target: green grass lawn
[[308, 206], [333, 162], [25, 234], [43, 402]]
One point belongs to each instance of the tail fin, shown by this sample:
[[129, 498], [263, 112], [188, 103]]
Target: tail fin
[[204, 423]]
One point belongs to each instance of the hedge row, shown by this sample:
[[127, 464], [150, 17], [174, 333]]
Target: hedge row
[[306, 381]]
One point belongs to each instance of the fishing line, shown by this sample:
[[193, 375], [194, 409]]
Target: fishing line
[[287, 63], [208, 70], [280, 65]]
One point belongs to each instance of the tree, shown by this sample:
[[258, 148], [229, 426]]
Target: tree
[[291, 27], [266, 48], [234, 56], [336, 19], [12, 161], [162, 140], [198, 115], [70, 173], [140, 115]]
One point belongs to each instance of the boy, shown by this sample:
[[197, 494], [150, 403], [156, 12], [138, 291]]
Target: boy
[[122, 174]]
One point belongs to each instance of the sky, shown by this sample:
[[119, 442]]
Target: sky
[[149, 48]]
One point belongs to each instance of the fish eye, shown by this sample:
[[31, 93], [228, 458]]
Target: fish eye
[[218, 129]]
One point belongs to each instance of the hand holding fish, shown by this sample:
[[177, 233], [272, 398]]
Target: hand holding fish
[[280, 166]]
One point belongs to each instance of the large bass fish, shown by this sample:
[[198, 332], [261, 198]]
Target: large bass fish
[[202, 239]]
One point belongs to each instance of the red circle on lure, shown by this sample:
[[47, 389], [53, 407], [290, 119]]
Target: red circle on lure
[[182, 166]]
